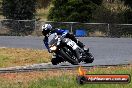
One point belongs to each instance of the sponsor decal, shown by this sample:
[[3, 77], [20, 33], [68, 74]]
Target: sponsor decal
[[84, 78]]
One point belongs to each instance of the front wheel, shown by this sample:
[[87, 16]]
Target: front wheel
[[56, 60], [68, 57]]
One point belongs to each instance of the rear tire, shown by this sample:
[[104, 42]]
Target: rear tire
[[89, 58]]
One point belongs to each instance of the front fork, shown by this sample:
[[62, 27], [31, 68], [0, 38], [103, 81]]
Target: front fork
[[77, 54], [55, 55]]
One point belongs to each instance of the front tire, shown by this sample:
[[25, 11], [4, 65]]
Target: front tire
[[68, 57], [56, 60]]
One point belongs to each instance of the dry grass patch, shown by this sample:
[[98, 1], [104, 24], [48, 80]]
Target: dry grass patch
[[60, 78], [24, 79], [15, 57], [28, 76]]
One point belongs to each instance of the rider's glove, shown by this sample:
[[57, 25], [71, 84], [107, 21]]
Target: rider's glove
[[64, 34]]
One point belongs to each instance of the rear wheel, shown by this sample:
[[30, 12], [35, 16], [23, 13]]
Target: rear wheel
[[89, 58], [69, 56]]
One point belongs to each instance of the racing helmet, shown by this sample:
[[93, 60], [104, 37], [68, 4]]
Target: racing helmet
[[46, 28]]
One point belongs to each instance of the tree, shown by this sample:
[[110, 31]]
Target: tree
[[128, 2], [19, 9], [128, 16], [128, 12], [43, 3], [73, 10]]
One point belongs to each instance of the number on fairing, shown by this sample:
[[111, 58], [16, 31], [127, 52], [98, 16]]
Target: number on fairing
[[71, 43]]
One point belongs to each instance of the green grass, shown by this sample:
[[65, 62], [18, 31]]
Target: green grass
[[70, 81], [60, 79], [56, 82]]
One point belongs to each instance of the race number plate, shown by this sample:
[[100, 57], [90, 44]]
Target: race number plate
[[72, 44]]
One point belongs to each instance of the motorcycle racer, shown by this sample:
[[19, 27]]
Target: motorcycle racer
[[47, 29]]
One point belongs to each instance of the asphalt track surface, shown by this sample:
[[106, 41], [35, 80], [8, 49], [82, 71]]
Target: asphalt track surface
[[106, 51]]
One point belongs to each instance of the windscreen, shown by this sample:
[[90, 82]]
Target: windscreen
[[52, 39]]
